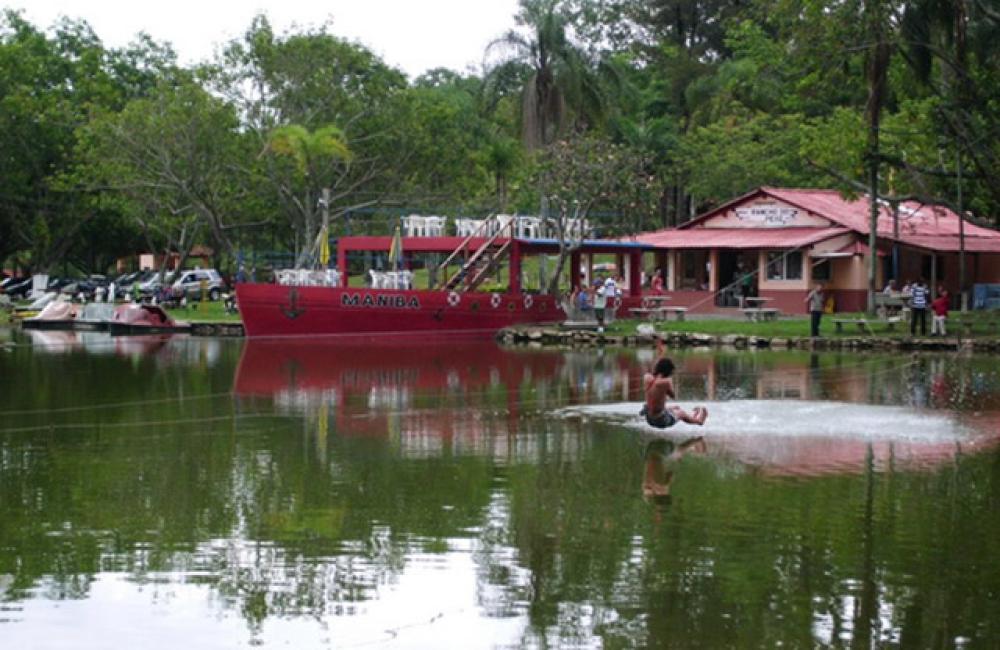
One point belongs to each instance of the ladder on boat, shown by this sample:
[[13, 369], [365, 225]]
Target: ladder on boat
[[481, 262]]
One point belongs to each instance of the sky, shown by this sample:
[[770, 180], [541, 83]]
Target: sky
[[413, 35]]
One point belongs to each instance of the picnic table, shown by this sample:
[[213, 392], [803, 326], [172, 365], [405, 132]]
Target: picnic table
[[754, 301], [761, 313], [891, 304], [652, 301]]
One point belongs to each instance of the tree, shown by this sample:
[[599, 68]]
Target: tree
[[313, 80], [582, 173], [174, 157], [49, 83], [314, 155], [558, 86]]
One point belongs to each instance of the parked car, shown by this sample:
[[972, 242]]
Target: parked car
[[57, 284], [19, 290], [151, 285], [189, 283], [87, 287], [123, 283]]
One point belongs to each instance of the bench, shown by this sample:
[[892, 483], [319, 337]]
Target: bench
[[865, 324], [760, 313], [862, 324], [676, 311], [659, 313], [651, 313]]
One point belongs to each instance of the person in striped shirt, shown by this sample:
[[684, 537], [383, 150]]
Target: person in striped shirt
[[918, 307]]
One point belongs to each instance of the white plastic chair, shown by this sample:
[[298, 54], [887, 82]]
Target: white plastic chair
[[415, 225], [434, 226], [467, 227], [502, 222]]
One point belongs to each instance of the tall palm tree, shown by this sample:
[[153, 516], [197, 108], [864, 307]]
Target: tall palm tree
[[316, 155], [558, 86]]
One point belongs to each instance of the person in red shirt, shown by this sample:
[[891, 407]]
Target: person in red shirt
[[940, 309]]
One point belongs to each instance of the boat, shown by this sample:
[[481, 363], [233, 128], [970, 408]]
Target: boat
[[94, 317], [35, 307], [133, 318], [463, 293], [57, 315]]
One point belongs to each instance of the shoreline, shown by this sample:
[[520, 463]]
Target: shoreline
[[555, 337]]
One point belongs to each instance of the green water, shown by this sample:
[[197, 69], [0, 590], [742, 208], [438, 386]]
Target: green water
[[191, 493]]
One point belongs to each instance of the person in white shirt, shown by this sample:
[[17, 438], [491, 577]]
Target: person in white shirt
[[600, 302]]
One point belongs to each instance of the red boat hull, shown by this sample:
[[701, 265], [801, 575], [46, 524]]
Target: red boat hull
[[278, 310]]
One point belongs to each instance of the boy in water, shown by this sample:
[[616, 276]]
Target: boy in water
[[659, 386]]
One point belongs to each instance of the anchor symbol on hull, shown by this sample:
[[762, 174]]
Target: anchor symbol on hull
[[292, 310]]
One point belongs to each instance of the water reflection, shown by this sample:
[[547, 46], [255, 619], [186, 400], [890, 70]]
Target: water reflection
[[380, 492]]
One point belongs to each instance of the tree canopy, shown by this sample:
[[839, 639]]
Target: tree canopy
[[714, 97]]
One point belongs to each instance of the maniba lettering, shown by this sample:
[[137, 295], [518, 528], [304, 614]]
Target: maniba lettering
[[394, 301]]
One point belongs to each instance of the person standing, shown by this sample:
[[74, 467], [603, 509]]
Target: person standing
[[657, 282], [918, 307], [815, 300], [940, 309], [600, 302]]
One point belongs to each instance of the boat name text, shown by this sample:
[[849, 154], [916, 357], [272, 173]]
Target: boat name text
[[368, 300]]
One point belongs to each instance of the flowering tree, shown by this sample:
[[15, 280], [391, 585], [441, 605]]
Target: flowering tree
[[583, 174]]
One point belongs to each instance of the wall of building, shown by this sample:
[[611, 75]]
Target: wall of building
[[987, 270]]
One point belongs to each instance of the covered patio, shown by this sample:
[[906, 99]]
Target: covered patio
[[771, 245]]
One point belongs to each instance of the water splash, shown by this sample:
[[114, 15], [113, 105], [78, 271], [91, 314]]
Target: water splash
[[786, 418]]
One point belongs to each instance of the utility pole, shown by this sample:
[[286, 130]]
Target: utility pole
[[964, 300], [874, 208], [325, 229]]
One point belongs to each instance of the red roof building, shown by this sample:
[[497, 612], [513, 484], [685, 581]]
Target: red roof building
[[775, 243]]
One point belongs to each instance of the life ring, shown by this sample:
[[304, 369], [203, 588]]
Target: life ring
[[528, 301], [454, 299], [495, 300]]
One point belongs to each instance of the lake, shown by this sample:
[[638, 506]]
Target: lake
[[198, 493]]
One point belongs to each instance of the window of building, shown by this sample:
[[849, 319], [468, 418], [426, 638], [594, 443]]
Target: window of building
[[694, 270], [821, 272], [784, 265]]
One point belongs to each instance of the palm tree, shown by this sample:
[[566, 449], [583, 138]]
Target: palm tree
[[316, 155], [557, 84]]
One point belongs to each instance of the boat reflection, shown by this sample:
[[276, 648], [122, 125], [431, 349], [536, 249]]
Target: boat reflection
[[163, 349]]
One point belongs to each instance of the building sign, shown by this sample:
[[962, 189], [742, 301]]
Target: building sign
[[767, 214]]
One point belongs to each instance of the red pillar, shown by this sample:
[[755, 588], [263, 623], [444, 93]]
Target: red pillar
[[574, 265], [342, 263], [515, 267], [634, 273]]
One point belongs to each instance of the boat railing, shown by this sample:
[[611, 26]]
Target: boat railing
[[473, 270], [481, 231]]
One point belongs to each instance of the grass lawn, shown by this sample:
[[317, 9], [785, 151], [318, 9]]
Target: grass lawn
[[982, 324], [205, 311]]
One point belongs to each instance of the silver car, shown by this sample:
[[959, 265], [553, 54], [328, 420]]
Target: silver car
[[189, 283]]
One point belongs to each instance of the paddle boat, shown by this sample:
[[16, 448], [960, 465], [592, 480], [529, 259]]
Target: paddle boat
[[134, 318]]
